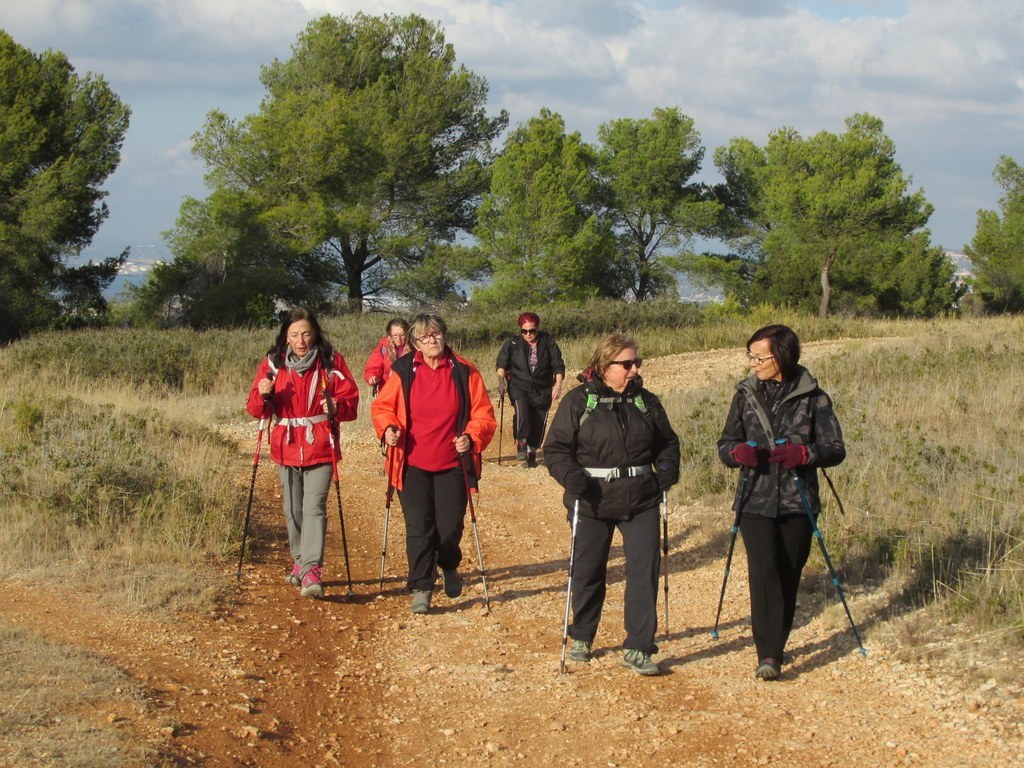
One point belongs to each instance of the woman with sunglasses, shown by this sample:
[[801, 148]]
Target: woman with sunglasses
[[780, 423], [435, 417], [530, 366], [613, 450]]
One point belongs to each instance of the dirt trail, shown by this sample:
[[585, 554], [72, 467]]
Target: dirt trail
[[277, 680]]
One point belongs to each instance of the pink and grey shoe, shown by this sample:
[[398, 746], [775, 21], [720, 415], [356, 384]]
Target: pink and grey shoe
[[295, 577], [311, 586]]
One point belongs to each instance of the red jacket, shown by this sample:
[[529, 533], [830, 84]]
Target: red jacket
[[379, 362], [391, 407], [298, 397]]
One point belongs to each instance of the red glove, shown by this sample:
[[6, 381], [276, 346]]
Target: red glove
[[789, 455], [748, 455]]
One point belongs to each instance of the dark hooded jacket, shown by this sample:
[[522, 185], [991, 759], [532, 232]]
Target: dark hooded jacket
[[616, 433], [535, 386], [803, 415]]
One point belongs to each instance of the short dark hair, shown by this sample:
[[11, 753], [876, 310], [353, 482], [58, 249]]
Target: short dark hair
[[785, 346]]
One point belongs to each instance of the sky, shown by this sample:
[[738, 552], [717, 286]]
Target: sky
[[945, 76]]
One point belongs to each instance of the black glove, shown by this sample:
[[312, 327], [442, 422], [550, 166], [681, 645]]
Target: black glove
[[575, 483], [668, 474]]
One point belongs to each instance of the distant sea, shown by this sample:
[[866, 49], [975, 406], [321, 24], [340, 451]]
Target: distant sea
[[143, 257]]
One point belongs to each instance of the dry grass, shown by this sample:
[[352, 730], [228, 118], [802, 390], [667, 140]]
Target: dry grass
[[59, 707], [931, 485]]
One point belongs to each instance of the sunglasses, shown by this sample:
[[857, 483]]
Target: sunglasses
[[627, 364], [526, 331]]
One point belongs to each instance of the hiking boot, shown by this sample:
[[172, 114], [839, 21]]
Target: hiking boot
[[295, 577], [421, 601], [311, 586], [639, 662], [579, 651], [521, 452], [452, 582], [531, 459], [768, 669]]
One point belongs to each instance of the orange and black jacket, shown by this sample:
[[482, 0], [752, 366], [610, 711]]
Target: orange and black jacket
[[392, 408]]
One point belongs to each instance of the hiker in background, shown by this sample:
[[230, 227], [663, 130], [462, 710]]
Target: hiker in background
[[308, 389], [613, 450], [436, 418], [780, 422], [394, 344], [530, 366]]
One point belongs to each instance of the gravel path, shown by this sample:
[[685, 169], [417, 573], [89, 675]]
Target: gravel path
[[277, 680]]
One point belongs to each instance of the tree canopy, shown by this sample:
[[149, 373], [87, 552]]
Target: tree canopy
[[997, 250], [652, 202], [827, 221], [539, 224], [60, 138], [368, 154]]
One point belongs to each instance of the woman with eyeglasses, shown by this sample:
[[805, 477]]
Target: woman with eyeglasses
[[780, 423], [530, 367], [613, 450], [435, 417], [394, 344]]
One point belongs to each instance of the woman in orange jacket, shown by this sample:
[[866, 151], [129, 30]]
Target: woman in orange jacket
[[308, 389], [436, 418]]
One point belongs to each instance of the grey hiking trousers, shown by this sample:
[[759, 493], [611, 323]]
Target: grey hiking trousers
[[305, 492]]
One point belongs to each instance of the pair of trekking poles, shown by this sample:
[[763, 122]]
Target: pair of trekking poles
[[264, 418], [471, 487], [741, 501]]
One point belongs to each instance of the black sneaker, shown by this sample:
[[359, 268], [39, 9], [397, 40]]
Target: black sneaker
[[768, 669], [452, 582], [531, 459]]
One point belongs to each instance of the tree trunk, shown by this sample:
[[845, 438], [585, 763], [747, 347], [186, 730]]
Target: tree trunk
[[826, 285]]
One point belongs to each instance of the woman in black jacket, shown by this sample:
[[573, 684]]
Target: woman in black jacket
[[781, 424], [530, 367], [613, 450]]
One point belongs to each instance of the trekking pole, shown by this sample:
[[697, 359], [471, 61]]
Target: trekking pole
[[501, 424], [568, 590], [664, 551], [744, 479], [821, 542], [470, 487], [337, 482], [387, 516], [252, 483]]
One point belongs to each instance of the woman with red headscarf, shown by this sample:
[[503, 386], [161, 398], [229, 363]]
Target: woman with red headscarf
[[530, 368]]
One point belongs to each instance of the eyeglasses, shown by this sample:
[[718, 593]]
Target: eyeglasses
[[435, 336], [525, 331], [759, 360], [627, 364]]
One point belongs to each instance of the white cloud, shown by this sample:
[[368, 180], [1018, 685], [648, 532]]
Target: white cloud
[[946, 76]]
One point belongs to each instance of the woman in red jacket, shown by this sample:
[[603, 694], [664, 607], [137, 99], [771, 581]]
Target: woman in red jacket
[[431, 413], [390, 348], [308, 389]]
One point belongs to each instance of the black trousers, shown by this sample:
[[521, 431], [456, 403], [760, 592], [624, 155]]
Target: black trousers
[[777, 550], [529, 423], [434, 507], [640, 541]]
